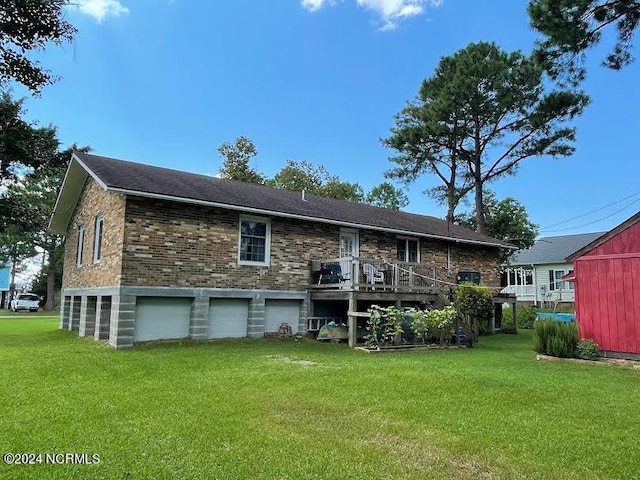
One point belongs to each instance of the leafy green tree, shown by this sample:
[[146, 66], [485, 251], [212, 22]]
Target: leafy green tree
[[29, 26], [237, 156], [424, 129], [386, 195], [479, 116], [506, 219], [23, 146], [42, 281], [336, 188], [299, 176], [28, 204], [571, 27], [474, 304], [302, 175]]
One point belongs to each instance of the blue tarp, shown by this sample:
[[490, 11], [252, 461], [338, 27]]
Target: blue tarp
[[5, 277], [561, 317]]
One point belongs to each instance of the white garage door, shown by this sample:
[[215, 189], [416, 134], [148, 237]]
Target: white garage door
[[159, 318], [228, 318], [281, 311]]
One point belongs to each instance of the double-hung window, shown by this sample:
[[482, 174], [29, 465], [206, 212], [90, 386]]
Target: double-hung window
[[408, 250], [80, 249], [555, 280], [255, 241], [97, 240]]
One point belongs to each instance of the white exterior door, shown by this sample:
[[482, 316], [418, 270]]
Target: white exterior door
[[349, 247]]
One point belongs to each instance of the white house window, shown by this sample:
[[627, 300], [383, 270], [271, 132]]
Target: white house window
[[80, 249], [408, 250], [97, 240], [555, 280], [255, 241]]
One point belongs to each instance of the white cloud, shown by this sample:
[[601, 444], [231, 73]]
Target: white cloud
[[99, 9], [314, 5], [389, 11]]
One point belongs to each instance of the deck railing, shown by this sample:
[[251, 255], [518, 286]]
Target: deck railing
[[520, 290], [372, 274]]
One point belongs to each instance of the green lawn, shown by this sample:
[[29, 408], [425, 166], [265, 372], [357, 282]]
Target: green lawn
[[24, 314], [230, 410]]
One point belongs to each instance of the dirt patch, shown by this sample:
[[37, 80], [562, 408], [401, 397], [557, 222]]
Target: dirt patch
[[408, 348], [607, 362], [282, 358]]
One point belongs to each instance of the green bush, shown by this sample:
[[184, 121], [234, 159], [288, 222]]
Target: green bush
[[441, 323], [436, 325], [558, 339], [526, 317], [419, 323], [384, 326], [588, 349], [474, 304]]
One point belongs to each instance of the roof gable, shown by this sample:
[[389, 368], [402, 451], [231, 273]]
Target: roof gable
[[154, 182], [553, 249], [605, 237]]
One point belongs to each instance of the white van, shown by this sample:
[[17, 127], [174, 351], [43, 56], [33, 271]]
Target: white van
[[25, 301]]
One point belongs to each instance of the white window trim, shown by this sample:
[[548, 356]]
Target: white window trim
[[80, 246], [417, 240], [558, 283], [267, 246], [97, 256]]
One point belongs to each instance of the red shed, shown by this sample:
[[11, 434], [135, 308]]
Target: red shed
[[607, 288]]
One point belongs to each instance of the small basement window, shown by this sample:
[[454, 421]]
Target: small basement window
[[255, 241]]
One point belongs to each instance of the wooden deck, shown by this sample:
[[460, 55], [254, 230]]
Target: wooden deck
[[366, 274], [359, 280]]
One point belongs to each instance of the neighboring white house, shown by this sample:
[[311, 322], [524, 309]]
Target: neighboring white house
[[535, 275]]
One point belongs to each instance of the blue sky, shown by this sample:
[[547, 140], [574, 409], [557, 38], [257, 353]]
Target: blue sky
[[165, 82]]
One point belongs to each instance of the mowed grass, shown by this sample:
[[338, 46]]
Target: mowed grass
[[230, 409]]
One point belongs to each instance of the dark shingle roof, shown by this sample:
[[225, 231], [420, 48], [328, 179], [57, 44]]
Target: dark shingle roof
[[628, 223], [553, 249], [138, 179]]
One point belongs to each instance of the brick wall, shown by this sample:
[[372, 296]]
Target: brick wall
[[463, 257], [178, 245], [95, 201]]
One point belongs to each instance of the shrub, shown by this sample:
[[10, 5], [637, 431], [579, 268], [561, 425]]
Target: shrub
[[588, 349], [558, 339], [419, 323], [526, 317], [474, 303], [384, 326], [507, 321], [441, 323]]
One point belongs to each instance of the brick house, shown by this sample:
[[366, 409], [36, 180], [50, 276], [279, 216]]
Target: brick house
[[153, 253]]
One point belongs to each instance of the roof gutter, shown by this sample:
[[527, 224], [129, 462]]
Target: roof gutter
[[295, 216]]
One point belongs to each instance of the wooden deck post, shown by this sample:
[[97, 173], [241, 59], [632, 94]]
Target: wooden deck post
[[352, 320], [492, 321]]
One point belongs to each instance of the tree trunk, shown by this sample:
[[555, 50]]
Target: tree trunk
[[50, 304], [450, 211], [477, 177], [479, 204]]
